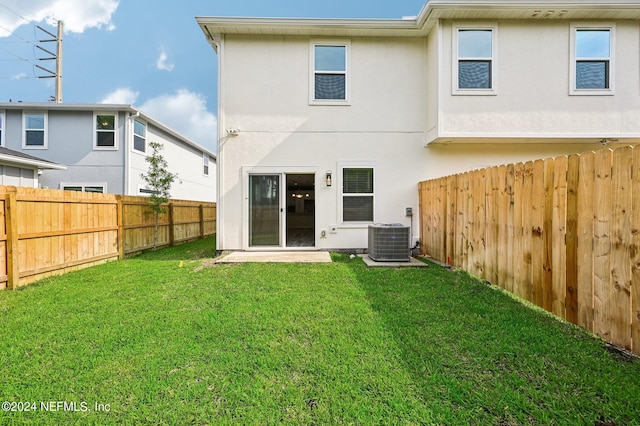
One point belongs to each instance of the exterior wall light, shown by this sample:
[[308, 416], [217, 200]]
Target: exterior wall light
[[327, 178]]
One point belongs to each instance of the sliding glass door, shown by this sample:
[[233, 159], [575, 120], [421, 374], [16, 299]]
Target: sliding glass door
[[264, 210]]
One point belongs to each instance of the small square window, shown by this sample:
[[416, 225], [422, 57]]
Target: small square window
[[205, 164]]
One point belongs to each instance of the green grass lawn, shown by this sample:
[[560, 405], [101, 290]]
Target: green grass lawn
[[159, 343]]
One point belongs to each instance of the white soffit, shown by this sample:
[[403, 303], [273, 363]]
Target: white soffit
[[421, 25]]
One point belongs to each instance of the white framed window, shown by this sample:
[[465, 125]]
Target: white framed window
[[357, 189], [475, 60], [139, 136], [34, 135], [592, 59], [329, 80], [105, 125], [205, 164], [100, 188], [2, 128]]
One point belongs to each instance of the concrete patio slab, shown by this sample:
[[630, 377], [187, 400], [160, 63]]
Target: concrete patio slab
[[276, 256], [412, 263]]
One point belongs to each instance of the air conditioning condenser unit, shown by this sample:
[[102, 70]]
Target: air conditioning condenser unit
[[389, 242]]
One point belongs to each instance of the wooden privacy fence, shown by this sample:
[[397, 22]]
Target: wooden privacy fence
[[563, 233], [45, 232]]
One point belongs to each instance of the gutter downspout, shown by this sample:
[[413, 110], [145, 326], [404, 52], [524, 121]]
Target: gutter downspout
[[131, 115], [125, 190], [218, 45]]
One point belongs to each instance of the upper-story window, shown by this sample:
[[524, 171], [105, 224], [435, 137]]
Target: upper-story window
[[330, 73], [105, 131], [1, 128], [139, 136], [592, 59], [35, 130], [474, 65], [205, 164]]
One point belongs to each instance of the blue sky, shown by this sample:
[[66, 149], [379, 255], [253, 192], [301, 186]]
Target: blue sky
[[143, 52]]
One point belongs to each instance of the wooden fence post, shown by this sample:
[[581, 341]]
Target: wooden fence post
[[171, 226], [120, 237], [13, 267], [201, 213]]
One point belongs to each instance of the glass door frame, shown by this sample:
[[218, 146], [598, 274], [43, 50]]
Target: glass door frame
[[248, 171], [265, 204]]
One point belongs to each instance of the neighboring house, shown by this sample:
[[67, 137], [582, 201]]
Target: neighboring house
[[104, 148], [378, 105], [19, 169]]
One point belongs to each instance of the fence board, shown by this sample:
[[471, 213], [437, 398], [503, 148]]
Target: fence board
[[537, 229], [620, 291], [571, 296], [508, 221], [602, 244], [527, 229], [491, 236], [547, 236], [450, 201], [460, 240], [635, 253], [439, 230], [519, 268], [558, 237]]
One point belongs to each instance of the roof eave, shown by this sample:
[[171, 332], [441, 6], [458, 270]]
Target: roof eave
[[432, 11], [18, 161], [214, 26]]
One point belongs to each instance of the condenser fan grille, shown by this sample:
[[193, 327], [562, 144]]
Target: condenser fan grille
[[389, 242]]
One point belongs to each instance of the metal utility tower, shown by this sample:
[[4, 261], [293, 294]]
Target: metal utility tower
[[54, 56]]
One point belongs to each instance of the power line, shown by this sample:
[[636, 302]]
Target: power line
[[13, 54], [15, 13], [13, 34]]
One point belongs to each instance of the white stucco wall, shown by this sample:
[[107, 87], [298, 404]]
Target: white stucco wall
[[533, 79], [264, 93]]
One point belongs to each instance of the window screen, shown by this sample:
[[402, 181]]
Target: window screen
[[330, 72], [475, 57]]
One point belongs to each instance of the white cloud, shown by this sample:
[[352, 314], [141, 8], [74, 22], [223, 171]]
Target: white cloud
[[19, 76], [162, 64], [186, 113], [78, 15], [123, 95]]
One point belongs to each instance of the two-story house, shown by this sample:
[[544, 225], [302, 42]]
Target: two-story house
[[104, 148], [327, 125]]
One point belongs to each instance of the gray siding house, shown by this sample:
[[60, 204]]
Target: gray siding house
[[104, 148]]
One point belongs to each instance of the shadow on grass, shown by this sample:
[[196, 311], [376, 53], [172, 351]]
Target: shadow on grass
[[192, 250], [479, 356]]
